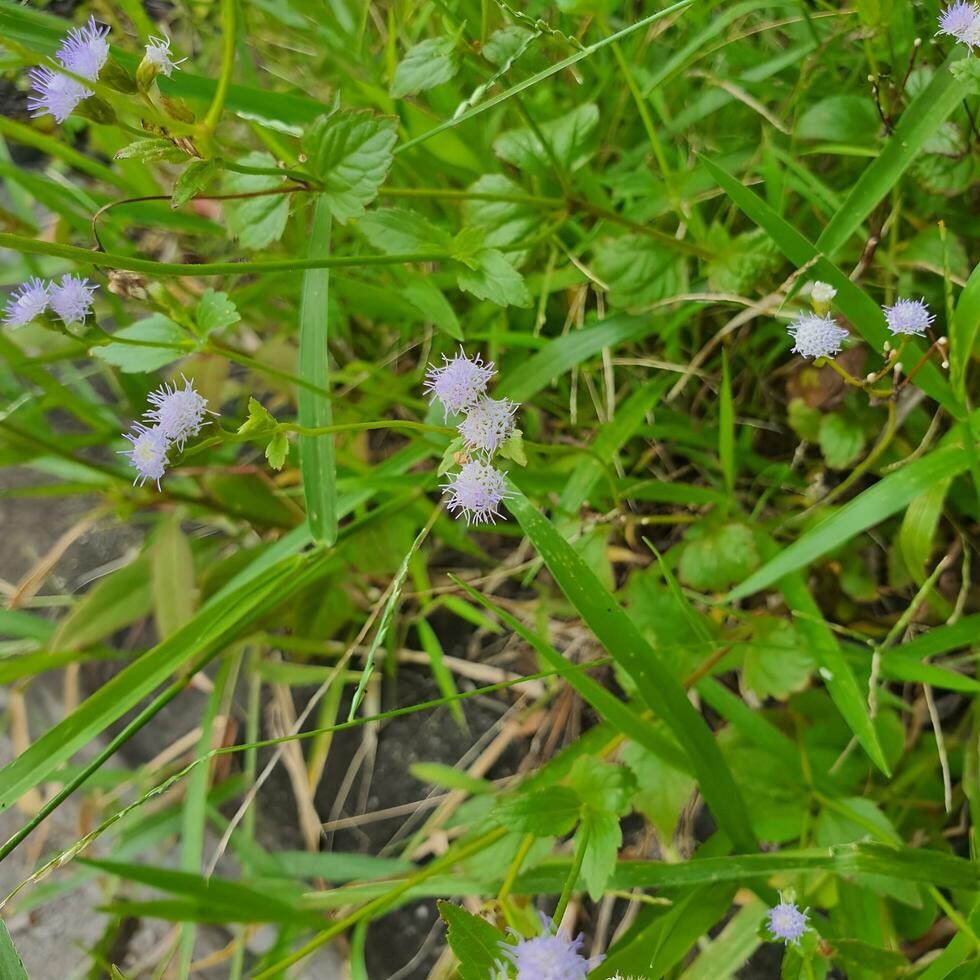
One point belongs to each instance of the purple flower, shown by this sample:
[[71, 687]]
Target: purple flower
[[488, 424], [84, 52], [960, 20], [149, 453], [908, 316], [816, 336], [27, 303], [787, 922], [158, 55], [477, 491], [459, 382], [71, 298], [179, 412], [550, 956]]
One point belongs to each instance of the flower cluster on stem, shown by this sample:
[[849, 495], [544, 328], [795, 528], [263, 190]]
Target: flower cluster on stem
[[961, 21], [70, 299], [84, 52]]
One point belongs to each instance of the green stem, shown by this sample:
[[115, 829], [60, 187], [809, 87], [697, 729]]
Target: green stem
[[228, 32], [569, 887]]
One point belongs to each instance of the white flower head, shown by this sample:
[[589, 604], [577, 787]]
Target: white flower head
[[158, 55], [27, 303], [816, 336], [960, 20], [971, 36], [822, 293], [549, 956], [459, 383], [149, 453], [54, 94], [908, 316], [476, 491], [71, 298], [178, 412], [84, 51], [488, 424], [788, 923]]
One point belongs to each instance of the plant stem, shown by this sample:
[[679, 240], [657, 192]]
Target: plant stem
[[569, 887], [228, 37]]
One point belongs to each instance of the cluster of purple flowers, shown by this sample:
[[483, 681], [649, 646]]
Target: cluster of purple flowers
[[961, 20], [818, 334], [787, 922], [460, 385], [176, 415], [83, 52], [552, 954], [70, 298]]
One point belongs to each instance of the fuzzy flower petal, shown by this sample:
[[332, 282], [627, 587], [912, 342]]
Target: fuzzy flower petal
[[71, 298], [816, 336], [179, 412], [488, 424], [908, 316], [477, 491], [27, 303], [158, 55], [787, 922], [822, 292], [958, 18], [54, 95], [459, 383], [550, 956], [85, 50], [149, 453]]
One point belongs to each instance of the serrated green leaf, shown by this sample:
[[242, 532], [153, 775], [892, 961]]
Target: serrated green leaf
[[473, 940], [431, 302], [601, 786], [571, 139], [603, 836], [215, 310], [549, 812], [194, 178], [504, 43], [505, 222], [350, 152], [494, 279], [638, 271], [260, 419], [425, 65], [777, 661], [513, 448], [259, 221], [277, 450], [395, 230], [144, 356], [151, 148]]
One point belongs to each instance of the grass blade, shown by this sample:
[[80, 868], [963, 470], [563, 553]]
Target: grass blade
[[11, 967], [316, 452]]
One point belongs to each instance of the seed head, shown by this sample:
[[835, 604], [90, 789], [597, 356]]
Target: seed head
[[459, 383], [488, 424], [158, 55], [816, 336], [550, 956], [71, 298], [27, 303], [177, 412], [908, 316], [787, 922], [476, 491], [149, 453]]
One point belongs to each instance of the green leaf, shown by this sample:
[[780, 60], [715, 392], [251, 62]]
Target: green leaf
[[474, 941], [277, 450], [917, 534], [172, 575], [194, 178], [841, 440], [638, 271], [394, 230], [152, 148], [840, 119], [316, 456], [654, 682], [425, 65], [259, 420], [604, 837], [505, 222], [513, 448], [549, 812], [715, 558], [494, 279], [601, 786], [777, 662], [259, 221], [144, 356], [963, 332], [571, 139], [869, 508], [350, 152], [857, 957], [431, 302], [214, 311], [662, 791], [11, 965], [505, 43]]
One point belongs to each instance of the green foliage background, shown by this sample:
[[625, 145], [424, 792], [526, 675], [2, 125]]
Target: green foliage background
[[735, 586]]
